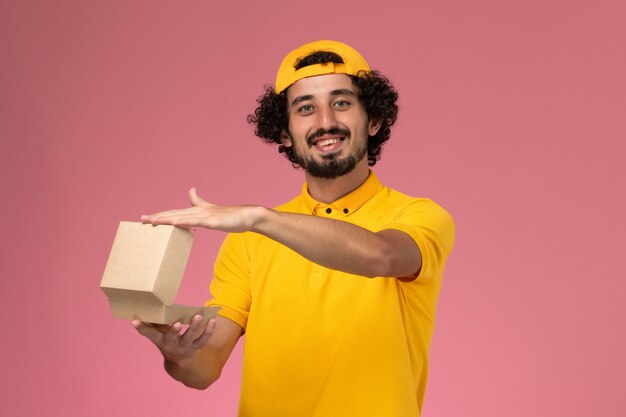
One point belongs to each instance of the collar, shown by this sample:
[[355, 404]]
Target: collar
[[345, 205]]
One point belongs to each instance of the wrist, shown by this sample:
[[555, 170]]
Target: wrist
[[260, 217]]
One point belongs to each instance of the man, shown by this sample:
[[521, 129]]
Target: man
[[336, 289]]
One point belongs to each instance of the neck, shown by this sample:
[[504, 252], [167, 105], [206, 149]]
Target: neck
[[327, 190]]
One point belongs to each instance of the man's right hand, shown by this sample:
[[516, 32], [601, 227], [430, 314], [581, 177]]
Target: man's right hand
[[194, 356], [178, 346]]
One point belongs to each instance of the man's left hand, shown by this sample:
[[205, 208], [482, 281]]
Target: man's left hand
[[204, 214]]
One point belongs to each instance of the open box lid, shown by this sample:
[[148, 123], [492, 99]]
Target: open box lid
[[144, 272]]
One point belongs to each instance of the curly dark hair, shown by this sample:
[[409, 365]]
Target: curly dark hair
[[375, 92]]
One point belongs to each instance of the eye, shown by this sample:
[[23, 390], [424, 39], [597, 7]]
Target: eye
[[305, 108], [341, 104]]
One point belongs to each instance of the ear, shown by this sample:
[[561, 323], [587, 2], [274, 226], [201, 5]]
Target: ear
[[373, 126], [285, 139]]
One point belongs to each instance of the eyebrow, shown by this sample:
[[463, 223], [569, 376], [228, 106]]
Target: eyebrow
[[338, 92], [342, 92], [300, 99]]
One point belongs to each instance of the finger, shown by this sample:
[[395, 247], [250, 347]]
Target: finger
[[208, 332], [201, 341], [180, 212], [155, 219], [195, 330], [210, 327], [160, 217], [195, 198], [170, 217], [173, 334], [186, 222], [189, 219], [148, 331], [146, 218]]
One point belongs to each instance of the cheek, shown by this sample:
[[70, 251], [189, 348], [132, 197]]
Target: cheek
[[299, 130]]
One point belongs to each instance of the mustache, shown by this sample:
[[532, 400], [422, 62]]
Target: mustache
[[321, 132]]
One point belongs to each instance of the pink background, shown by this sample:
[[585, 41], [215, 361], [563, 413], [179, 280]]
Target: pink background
[[513, 117]]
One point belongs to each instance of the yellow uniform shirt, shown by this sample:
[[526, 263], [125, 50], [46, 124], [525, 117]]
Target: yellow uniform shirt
[[321, 342]]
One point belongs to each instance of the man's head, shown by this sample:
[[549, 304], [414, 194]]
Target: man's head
[[319, 58], [347, 99]]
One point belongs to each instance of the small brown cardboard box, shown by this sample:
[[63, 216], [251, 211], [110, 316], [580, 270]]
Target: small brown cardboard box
[[144, 271]]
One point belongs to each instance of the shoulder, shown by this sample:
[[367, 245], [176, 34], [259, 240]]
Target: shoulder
[[420, 214], [399, 204]]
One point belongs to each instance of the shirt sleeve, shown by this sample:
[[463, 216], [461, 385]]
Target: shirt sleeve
[[432, 229], [230, 286]]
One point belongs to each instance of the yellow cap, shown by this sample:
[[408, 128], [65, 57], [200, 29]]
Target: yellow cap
[[353, 63]]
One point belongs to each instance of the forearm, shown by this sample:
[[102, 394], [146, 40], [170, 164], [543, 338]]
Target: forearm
[[197, 356], [337, 245], [332, 243], [198, 372]]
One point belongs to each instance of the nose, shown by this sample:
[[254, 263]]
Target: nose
[[326, 118]]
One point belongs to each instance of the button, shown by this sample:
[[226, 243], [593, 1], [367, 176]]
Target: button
[[328, 210], [345, 211]]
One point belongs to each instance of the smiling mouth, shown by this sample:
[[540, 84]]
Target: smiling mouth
[[324, 138], [328, 142], [328, 145]]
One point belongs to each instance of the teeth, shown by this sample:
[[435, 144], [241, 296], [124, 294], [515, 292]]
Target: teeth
[[327, 142]]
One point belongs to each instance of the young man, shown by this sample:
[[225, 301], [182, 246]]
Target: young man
[[336, 289]]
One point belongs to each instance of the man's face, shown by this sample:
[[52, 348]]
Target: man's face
[[328, 125]]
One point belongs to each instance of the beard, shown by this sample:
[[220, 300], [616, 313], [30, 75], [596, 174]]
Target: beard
[[331, 166]]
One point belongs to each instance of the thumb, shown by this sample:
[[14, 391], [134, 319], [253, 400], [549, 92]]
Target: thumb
[[195, 199]]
